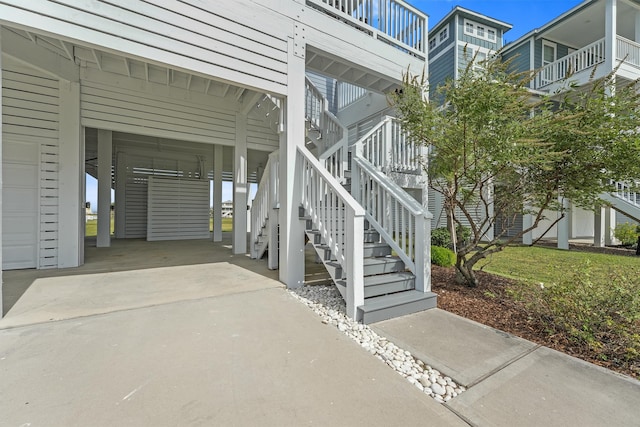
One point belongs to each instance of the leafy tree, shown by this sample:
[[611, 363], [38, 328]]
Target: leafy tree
[[497, 150]]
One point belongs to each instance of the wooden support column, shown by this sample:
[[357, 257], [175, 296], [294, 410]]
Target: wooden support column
[[527, 221], [291, 227], [240, 186], [105, 156], [217, 193], [599, 228], [609, 225], [121, 180], [71, 178], [1, 184], [610, 34], [564, 226]]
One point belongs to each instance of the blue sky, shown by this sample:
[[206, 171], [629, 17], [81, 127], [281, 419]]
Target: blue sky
[[524, 15]]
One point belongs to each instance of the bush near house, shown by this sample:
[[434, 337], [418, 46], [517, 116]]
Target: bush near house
[[441, 236], [627, 233], [443, 257]]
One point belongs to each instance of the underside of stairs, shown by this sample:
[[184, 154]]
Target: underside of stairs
[[389, 288]]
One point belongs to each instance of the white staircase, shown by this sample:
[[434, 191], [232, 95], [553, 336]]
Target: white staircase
[[624, 199], [374, 241]]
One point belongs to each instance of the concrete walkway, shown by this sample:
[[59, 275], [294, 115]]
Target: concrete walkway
[[184, 333], [212, 344], [512, 381]]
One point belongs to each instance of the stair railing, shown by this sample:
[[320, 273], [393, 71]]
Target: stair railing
[[321, 119], [264, 206], [388, 148], [339, 220], [403, 223], [627, 192]]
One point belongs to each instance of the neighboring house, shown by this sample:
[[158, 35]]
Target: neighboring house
[[589, 41], [158, 98], [458, 38]]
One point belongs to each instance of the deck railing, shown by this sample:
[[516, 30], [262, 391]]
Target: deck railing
[[628, 51], [348, 94], [388, 147], [395, 22], [580, 60], [340, 221], [627, 192]]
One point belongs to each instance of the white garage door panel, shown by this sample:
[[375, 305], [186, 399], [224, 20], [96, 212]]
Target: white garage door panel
[[20, 205]]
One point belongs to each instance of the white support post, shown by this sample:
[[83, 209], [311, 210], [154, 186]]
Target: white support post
[[121, 181], [240, 187], [217, 193], [105, 144], [564, 226], [354, 270], [1, 184], [272, 254], [71, 178], [292, 269], [609, 225], [423, 253], [637, 28], [610, 33], [599, 228], [527, 221]]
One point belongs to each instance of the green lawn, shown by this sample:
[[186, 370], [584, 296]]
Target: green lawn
[[548, 265], [91, 228]]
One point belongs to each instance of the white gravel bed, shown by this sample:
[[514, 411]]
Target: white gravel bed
[[327, 302]]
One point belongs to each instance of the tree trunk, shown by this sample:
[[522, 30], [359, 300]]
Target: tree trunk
[[465, 274]]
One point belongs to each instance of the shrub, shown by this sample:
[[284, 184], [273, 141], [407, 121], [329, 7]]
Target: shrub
[[603, 316], [627, 233], [443, 257], [441, 236]]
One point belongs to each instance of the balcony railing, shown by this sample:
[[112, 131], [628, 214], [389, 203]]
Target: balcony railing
[[394, 22], [628, 51], [580, 60]]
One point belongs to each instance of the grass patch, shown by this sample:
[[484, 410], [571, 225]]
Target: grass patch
[[591, 300], [91, 226]]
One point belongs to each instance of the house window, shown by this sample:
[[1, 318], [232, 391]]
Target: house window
[[468, 28], [432, 44], [491, 34], [548, 52], [444, 34], [480, 31]]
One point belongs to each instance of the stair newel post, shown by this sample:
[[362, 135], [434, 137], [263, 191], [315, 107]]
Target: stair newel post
[[387, 144], [355, 173], [423, 252], [354, 254]]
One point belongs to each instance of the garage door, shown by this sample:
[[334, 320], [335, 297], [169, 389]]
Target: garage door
[[19, 205]]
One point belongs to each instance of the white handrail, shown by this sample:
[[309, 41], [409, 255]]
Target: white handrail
[[627, 192], [339, 220], [349, 93], [263, 204], [393, 21], [628, 51], [402, 222], [388, 147], [580, 60], [313, 105], [321, 119]]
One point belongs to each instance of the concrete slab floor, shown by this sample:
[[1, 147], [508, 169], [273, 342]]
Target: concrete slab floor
[[467, 351], [252, 358]]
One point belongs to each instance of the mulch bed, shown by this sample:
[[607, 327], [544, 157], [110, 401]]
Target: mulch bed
[[490, 305]]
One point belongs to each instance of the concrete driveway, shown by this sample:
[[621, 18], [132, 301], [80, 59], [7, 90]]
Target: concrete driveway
[[208, 339]]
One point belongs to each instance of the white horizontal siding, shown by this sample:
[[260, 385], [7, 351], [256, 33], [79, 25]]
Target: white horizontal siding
[[209, 39], [122, 109], [177, 209], [30, 107]]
